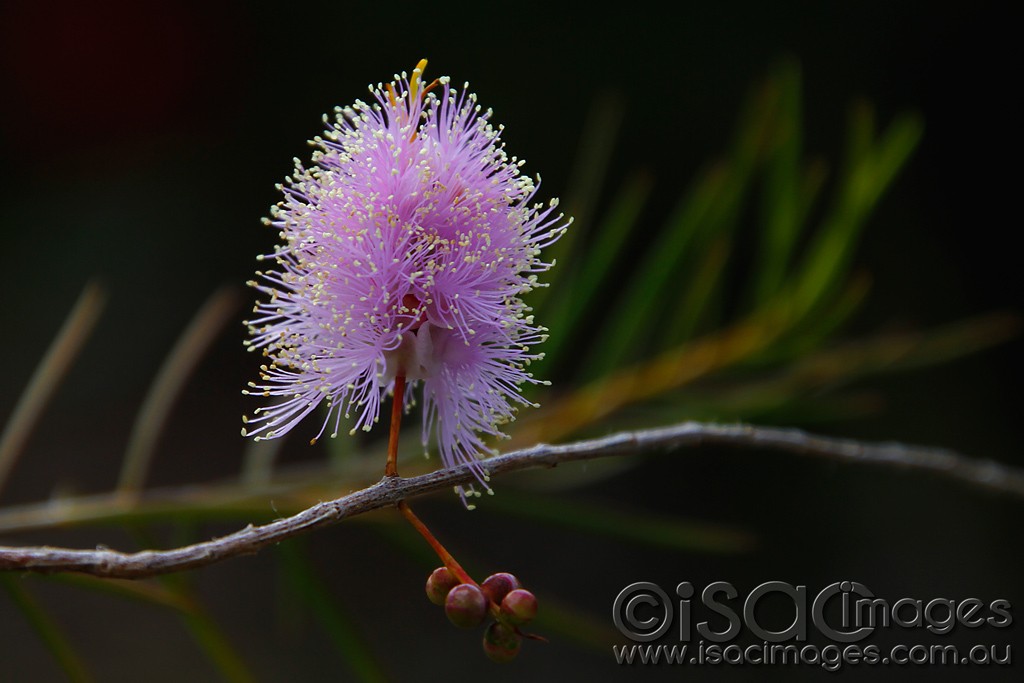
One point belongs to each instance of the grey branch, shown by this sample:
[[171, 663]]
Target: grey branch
[[986, 474]]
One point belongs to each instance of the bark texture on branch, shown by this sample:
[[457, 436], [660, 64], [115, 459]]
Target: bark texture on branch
[[986, 474]]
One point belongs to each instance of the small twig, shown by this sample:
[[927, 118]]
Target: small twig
[[51, 634], [986, 474], [51, 369]]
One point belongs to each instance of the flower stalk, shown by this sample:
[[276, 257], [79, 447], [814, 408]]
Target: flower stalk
[[446, 557], [391, 466]]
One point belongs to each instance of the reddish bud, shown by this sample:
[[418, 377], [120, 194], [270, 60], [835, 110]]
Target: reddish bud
[[501, 643], [440, 582], [466, 605], [519, 606], [497, 586]]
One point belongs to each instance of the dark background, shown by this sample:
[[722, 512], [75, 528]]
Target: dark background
[[140, 143]]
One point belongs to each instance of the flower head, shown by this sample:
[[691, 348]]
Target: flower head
[[407, 246]]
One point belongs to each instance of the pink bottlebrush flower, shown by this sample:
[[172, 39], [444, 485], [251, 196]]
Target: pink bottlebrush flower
[[408, 244]]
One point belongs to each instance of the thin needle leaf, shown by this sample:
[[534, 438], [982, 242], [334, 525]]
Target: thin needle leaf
[[584, 189], [782, 207], [176, 369], [55, 640], [671, 533], [197, 621], [51, 370], [870, 170], [341, 629], [636, 306], [605, 253]]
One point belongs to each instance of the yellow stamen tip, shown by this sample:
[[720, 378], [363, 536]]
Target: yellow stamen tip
[[414, 82]]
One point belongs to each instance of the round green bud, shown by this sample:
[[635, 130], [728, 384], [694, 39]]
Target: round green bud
[[501, 643]]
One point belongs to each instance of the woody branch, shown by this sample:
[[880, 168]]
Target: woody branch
[[985, 474]]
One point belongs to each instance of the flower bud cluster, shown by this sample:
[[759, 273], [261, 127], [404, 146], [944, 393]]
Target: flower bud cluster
[[467, 605]]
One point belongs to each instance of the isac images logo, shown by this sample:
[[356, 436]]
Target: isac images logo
[[844, 613]]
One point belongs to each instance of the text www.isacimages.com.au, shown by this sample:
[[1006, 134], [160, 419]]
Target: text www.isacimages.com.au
[[828, 657]]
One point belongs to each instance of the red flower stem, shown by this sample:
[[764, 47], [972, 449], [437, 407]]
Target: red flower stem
[[398, 399], [391, 470], [446, 557]]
